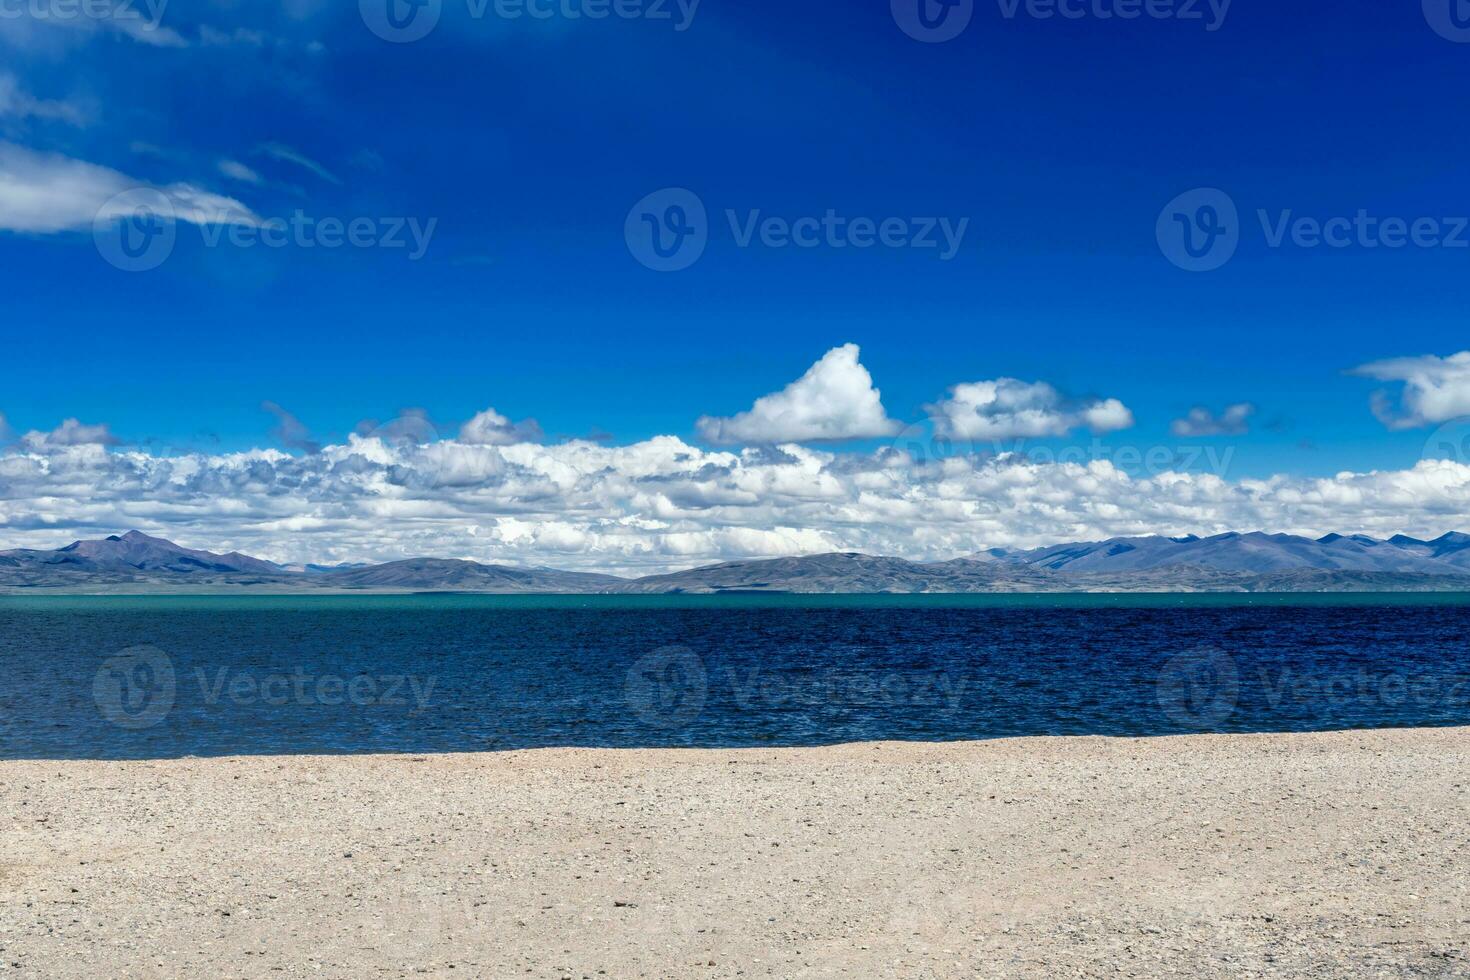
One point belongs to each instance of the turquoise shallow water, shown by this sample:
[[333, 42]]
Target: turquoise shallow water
[[162, 676]]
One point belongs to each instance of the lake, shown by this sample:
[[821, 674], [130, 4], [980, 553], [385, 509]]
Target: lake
[[163, 677]]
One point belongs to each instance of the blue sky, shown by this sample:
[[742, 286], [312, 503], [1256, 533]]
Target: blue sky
[[526, 142]]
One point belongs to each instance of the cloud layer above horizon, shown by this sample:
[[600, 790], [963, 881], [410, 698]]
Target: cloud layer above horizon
[[496, 493], [663, 504]]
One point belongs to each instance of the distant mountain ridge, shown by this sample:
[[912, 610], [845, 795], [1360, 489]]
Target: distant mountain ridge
[[1231, 562], [1257, 551], [465, 576], [137, 559], [137, 551]]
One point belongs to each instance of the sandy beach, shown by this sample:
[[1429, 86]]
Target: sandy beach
[[1336, 855]]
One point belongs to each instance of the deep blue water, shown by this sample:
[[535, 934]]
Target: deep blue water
[[161, 677]]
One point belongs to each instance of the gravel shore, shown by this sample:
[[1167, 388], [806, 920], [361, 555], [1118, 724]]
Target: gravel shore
[[1334, 855]]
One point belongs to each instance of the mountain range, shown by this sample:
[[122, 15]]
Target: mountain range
[[1256, 552], [1234, 562]]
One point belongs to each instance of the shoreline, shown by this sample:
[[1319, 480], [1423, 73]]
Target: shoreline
[[1209, 855], [763, 599], [908, 751], [571, 756]]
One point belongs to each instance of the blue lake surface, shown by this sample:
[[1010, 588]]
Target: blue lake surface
[[162, 677]]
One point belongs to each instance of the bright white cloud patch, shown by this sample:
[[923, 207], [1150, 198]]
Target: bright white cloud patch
[[1233, 421], [1009, 409], [664, 504], [68, 433], [1436, 389], [490, 428], [48, 193], [834, 400]]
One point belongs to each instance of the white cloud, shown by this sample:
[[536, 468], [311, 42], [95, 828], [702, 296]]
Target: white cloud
[[68, 433], [48, 193], [1202, 422], [139, 20], [663, 504], [146, 30], [490, 428], [238, 171], [834, 400], [1006, 408], [216, 38], [277, 151], [16, 103], [1436, 389], [244, 37]]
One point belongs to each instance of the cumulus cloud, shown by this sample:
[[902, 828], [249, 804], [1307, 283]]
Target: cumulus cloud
[[1200, 421], [1006, 409], [47, 193], [68, 433], [663, 504], [1435, 389], [834, 400], [16, 103], [490, 428]]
